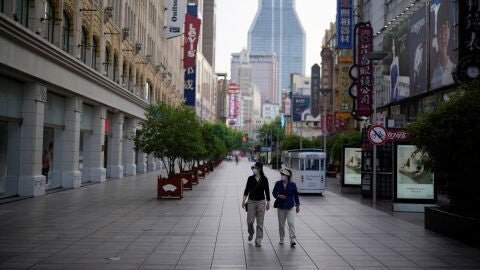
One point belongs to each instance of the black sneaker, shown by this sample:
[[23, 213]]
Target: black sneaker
[[292, 243], [258, 244], [250, 236]]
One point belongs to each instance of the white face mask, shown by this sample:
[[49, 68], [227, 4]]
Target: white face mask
[[284, 177]]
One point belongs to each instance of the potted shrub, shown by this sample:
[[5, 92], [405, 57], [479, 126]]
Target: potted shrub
[[449, 134], [168, 133]]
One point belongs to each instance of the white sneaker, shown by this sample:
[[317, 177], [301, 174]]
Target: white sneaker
[[281, 241]]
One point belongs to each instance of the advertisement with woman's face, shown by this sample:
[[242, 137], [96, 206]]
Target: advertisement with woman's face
[[352, 165], [442, 60], [413, 180]]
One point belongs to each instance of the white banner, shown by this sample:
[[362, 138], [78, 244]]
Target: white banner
[[175, 17]]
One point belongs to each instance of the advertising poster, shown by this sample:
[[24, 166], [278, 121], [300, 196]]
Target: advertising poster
[[441, 37], [417, 52], [397, 63], [352, 166], [301, 108], [412, 180]]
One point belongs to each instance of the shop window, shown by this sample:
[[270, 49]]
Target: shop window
[[3, 155], [65, 32]]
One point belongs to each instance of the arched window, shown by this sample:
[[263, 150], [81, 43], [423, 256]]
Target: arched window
[[95, 53], [130, 78], [83, 45], [125, 73], [148, 92], [49, 17], [107, 62], [65, 32], [22, 12], [115, 68]]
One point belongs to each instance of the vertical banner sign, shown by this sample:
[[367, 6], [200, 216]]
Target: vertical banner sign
[[192, 32], [344, 64], [315, 91], [344, 24], [363, 67], [468, 67], [175, 17], [190, 86]]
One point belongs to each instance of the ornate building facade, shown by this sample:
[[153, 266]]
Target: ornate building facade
[[75, 79]]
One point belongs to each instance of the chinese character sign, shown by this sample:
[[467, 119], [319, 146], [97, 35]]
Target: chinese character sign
[[315, 91], [363, 102], [189, 88], [344, 24]]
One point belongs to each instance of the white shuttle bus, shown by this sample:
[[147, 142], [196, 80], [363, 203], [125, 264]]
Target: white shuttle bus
[[308, 168]]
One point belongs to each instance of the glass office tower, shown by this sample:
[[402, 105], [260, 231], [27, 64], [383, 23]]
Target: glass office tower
[[277, 28]]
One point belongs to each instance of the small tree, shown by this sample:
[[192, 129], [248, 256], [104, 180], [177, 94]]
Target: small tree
[[450, 136], [169, 134]]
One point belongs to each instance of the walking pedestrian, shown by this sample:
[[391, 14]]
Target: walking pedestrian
[[286, 194], [257, 190]]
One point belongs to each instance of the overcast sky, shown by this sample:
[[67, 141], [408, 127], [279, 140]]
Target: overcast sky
[[234, 18]]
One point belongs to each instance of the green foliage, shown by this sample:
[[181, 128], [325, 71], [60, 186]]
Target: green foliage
[[169, 134], [450, 136], [336, 142]]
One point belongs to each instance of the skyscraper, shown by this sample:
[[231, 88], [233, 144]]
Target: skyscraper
[[277, 28]]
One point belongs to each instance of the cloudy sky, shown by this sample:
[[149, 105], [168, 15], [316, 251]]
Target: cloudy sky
[[235, 16]]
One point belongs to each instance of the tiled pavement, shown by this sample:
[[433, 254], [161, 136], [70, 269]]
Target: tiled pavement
[[121, 225]]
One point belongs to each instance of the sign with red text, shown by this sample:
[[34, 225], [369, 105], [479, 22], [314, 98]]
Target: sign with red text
[[191, 35]]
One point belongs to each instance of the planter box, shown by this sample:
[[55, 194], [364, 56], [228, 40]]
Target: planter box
[[186, 178], [200, 172], [171, 187], [194, 176], [465, 229]]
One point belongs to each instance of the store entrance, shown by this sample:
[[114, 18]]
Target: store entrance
[[3, 156]]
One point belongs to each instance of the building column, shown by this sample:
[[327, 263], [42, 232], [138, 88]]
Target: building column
[[141, 162], [129, 151], [95, 146], [116, 127], [151, 164], [31, 182], [71, 175]]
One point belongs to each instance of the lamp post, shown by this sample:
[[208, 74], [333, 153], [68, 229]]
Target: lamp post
[[374, 56]]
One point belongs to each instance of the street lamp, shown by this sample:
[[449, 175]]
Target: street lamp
[[374, 56]]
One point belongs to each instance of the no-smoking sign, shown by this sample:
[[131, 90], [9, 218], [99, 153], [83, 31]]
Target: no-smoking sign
[[377, 134]]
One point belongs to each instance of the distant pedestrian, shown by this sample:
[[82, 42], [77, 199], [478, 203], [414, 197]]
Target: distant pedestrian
[[256, 190], [286, 194]]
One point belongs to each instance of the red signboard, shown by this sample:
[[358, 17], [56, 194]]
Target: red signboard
[[364, 82], [191, 35]]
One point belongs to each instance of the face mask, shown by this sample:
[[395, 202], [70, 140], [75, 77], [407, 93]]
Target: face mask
[[254, 171], [284, 178]]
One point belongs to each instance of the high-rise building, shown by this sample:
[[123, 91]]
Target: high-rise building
[[208, 29], [263, 66], [277, 28]]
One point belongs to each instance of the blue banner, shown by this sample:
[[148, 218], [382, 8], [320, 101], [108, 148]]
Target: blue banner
[[190, 87], [344, 24]]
